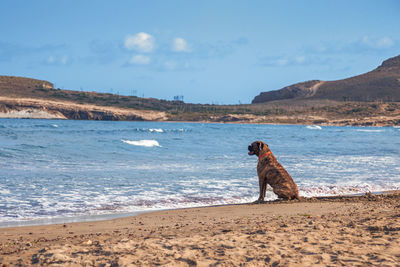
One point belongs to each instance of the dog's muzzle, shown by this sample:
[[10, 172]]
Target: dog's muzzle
[[251, 151]]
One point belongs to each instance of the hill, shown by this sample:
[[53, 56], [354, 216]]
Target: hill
[[25, 97], [30, 98], [21, 87], [16, 86], [380, 84]]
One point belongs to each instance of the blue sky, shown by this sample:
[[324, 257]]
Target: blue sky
[[222, 52]]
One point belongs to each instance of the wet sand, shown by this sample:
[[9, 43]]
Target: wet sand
[[344, 231]]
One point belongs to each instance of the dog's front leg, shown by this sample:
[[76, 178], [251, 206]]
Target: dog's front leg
[[261, 184], [265, 184]]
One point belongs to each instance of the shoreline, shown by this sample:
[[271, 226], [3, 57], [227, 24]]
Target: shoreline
[[70, 219], [113, 216], [216, 122], [339, 230]]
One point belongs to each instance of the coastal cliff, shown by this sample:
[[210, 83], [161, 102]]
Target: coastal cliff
[[353, 114], [46, 109]]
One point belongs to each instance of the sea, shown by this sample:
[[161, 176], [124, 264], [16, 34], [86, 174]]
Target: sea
[[57, 171]]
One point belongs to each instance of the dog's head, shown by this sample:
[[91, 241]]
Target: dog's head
[[257, 147]]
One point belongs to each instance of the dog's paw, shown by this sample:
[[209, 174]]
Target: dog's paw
[[258, 201]]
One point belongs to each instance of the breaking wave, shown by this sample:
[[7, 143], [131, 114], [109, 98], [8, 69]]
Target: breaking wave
[[145, 143], [156, 130], [160, 130], [335, 190], [314, 127]]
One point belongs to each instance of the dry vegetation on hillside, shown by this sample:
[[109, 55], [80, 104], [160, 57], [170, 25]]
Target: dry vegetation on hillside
[[380, 84], [306, 111]]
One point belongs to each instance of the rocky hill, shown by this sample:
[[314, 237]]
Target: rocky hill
[[17, 86], [380, 84], [37, 99]]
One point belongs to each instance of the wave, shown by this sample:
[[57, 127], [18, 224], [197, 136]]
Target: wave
[[30, 146], [314, 127], [44, 126], [145, 143], [123, 201], [335, 190], [156, 130], [369, 130], [160, 130]]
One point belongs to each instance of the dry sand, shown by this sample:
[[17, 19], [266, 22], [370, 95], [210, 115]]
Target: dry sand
[[339, 231]]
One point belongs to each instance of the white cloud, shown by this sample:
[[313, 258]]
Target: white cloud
[[58, 60], [385, 42], [51, 60], [142, 42], [180, 45], [300, 59], [64, 60], [378, 43], [282, 61], [140, 59], [170, 65]]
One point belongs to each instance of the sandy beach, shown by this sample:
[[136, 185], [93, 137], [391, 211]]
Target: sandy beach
[[345, 231]]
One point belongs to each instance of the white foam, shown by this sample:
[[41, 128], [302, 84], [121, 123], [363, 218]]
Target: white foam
[[314, 127], [369, 130], [145, 143], [4, 191], [55, 125], [156, 130], [334, 190]]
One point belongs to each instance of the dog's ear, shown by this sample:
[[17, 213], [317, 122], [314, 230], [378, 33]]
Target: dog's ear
[[260, 146]]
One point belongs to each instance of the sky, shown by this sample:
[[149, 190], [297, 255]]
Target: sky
[[216, 52]]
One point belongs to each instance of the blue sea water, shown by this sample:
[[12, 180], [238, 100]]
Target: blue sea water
[[55, 169]]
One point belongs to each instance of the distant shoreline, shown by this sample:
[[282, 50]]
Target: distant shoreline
[[354, 124], [44, 114]]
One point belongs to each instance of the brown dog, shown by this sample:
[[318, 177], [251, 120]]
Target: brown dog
[[271, 172]]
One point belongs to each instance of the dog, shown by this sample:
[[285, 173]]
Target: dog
[[271, 172]]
